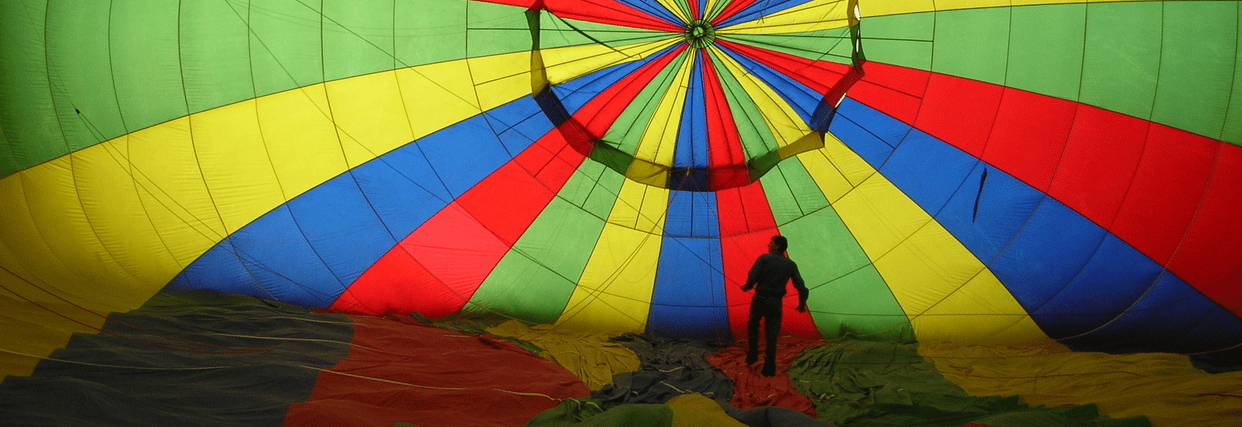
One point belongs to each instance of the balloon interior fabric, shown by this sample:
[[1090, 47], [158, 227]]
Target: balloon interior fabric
[[1060, 175]]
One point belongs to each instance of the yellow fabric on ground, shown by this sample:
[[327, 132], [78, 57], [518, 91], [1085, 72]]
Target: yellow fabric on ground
[[692, 410], [1165, 388], [588, 355]]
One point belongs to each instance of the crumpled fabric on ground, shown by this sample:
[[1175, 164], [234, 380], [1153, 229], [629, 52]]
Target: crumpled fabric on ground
[[589, 355], [670, 368], [755, 390]]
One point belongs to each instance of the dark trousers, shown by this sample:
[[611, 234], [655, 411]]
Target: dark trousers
[[769, 310]]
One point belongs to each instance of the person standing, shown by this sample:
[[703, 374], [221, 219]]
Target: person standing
[[768, 278]]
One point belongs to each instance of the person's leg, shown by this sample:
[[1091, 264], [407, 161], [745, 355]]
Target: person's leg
[[772, 331], [752, 333]]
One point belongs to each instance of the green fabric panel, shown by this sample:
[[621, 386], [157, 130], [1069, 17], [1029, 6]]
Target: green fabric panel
[[792, 193], [535, 280], [1122, 60], [557, 32], [1194, 69], [215, 54], [496, 29], [1045, 54], [752, 129], [285, 45], [848, 296], [827, 45], [903, 40], [357, 38], [78, 63], [430, 31], [147, 75], [627, 132], [972, 43], [1233, 121], [869, 383], [588, 412], [27, 119]]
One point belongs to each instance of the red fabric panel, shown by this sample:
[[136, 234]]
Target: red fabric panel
[[752, 389], [386, 288], [1101, 155], [436, 269], [1210, 254], [959, 111], [1141, 181], [746, 226], [726, 158], [1165, 192], [1029, 135], [401, 371], [897, 91], [819, 76]]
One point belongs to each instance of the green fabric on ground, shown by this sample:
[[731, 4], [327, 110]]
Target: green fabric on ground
[[589, 413], [861, 383]]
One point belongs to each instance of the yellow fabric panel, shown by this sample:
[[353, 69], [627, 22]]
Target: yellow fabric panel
[[812, 16], [835, 168], [300, 140], [370, 116], [30, 332], [893, 7], [693, 410], [170, 185], [1165, 388], [614, 292], [235, 162], [589, 355], [950, 297], [496, 80], [930, 273], [785, 123], [660, 136], [565, 64], [673, 7], [453, 96]]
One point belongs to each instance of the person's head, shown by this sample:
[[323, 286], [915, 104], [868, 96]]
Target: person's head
[[778, 244]]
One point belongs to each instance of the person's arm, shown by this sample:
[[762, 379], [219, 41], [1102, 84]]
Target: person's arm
[[803, 292], [752, 278]]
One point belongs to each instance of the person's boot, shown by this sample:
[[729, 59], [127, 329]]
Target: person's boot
[[752, 355], [769, 368]]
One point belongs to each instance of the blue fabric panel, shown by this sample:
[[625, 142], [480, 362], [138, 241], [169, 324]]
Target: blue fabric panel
[[927, 170], [577, 92], [689, 299], [268, 259], [1211, 328], [692, 143], [759, 9], [342, 227], [1050, 250], [869, 133], [692, 214], [519, 124], [801, 98], [655, 9], [464, 154], [1114, 278], [688, 296], [309, 250], [986, 220]]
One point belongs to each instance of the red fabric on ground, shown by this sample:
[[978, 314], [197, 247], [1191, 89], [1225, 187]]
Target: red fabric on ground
[[399, 370], [752, 389]]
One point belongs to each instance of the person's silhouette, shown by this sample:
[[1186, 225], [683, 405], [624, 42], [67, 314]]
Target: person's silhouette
[[768, 277]]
